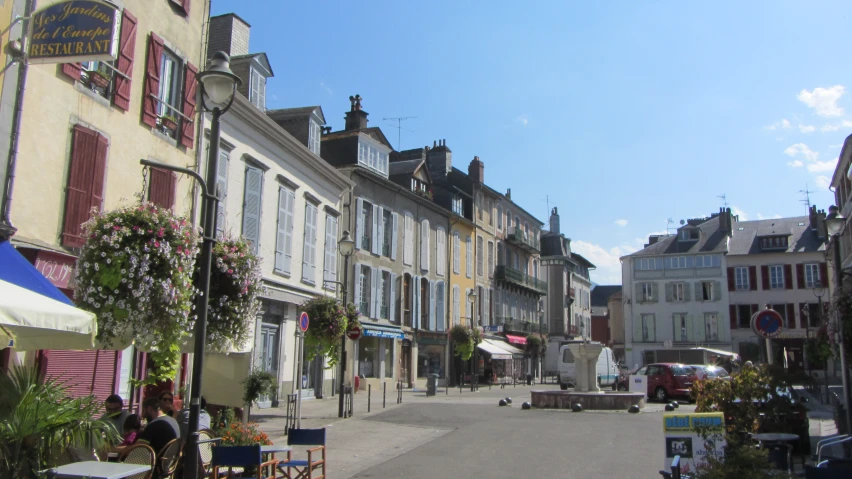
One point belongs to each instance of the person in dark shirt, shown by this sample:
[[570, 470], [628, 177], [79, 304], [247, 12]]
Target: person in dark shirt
[[161, 429], [115, 413], [167, 403]]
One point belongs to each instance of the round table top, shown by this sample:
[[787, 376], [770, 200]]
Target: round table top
[[776, 436]]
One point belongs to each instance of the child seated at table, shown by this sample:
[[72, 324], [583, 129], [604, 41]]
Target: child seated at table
[[132, 425]]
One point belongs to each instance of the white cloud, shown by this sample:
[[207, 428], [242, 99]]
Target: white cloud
[[795, 164], [823, 182], [822, 166], [523, 120], [783, 124], [823, 100], [607, 264], [836, 146], [801, 149], [737, 211], [836, 126], [621, 222], [326, 88], [807, 128]]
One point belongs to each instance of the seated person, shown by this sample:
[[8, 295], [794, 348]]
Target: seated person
[[161, 429], [132, 426], [115, 413], [167, 403], [203, 418]]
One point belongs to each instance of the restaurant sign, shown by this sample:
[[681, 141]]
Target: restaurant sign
[[74, 31]]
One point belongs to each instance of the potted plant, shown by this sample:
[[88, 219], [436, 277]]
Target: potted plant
[[169, 122], [100, 77]]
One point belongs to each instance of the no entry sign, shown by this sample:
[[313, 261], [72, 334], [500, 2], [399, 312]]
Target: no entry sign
[[353, 333], [304, 321]]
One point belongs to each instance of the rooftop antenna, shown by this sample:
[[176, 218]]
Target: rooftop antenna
[[724, 199], [399, 128], [807, 200], [669, 223]]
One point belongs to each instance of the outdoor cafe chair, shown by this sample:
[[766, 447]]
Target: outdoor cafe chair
[[168, 459], [236, 459], [206, 441], [139, 454], [304, 469]]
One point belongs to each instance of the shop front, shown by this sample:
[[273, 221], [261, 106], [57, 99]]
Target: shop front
[[431, 357], [375, 355]]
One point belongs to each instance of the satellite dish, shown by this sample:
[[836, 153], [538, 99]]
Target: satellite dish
[[682, 222]]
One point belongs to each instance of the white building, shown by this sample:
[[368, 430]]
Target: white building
[[674, 295]]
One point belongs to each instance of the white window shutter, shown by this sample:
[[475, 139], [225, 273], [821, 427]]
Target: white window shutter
[[392, 299], [374, 236], [356, 290], [374, 282], [394, 221], [441, 308], [252, 206], [415, 302], [441, 245], [380, 229], [485, 307], [309, 247], [432, 305], [424, 245], [282, 260], [359, 222], [330, 269], [468, 253], [456, 305], [408, 240], [456, 253]]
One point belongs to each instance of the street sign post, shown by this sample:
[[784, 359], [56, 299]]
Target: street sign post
[[304, 321], [767, 323]]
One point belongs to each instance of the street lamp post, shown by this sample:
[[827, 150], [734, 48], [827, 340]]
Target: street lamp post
[[834, 223], [346, 246], [471, 297], [541, 338], [218, 87], [819, 291]]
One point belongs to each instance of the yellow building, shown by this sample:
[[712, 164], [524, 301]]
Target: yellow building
[[83, 130], [461, 254]]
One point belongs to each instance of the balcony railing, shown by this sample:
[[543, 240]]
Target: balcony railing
[[526, 241], [519, 278], [519, 325]]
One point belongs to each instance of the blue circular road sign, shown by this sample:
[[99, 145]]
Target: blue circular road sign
[[303, 322]]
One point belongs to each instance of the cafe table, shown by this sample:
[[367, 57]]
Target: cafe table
[[98, 470], [772, 438]]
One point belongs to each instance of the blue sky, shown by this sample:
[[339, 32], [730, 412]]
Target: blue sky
[[622, 114]]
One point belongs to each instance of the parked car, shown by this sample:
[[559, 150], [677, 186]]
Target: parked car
[[704, 371], [665, 380]]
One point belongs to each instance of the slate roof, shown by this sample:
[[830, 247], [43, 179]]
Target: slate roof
[[601, 293], [287, 113], [801, 238], [581, 259], [405, 167], [261, 58], [711, 240], [373, 131]]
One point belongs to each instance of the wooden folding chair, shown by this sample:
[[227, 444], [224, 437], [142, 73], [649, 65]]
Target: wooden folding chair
[[237, 459], [139, 454], [305, 468]]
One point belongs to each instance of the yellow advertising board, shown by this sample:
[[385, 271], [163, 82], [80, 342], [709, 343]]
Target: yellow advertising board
[[683, 436]]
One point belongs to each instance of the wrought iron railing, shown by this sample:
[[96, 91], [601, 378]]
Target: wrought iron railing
[[520, 278], [518, 236]]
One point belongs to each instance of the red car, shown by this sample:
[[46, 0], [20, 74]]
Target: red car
[[668, 380]]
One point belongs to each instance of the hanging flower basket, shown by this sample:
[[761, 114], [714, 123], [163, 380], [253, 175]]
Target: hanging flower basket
[[235, 289], [536, 345], [328, 323], [135, 273], [465, 340]]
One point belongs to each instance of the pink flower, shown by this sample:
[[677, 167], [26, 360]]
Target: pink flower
[[116, 228]]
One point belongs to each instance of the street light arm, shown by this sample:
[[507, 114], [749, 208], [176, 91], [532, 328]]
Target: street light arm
[[186, 171]]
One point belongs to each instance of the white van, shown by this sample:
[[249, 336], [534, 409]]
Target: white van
[[606, 369]]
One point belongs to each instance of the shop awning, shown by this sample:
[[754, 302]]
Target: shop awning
[[718, 352], [380, 331], [517, 353], [15, 269], [492, 349], [516, 339], [29, 320]]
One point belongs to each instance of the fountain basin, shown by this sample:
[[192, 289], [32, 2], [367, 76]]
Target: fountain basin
[[609, 400]]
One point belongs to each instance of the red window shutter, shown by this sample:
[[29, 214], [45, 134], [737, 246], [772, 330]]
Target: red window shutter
[[182, 5], [162, 189], [126, 46], [150, 104], [791, 316], [788, 276], [97, 198], [764, 273], [81, 175], [187, 134], [823, 275], [752, 278], [732, 285], [732, 311], [73, 70], [800, 276]]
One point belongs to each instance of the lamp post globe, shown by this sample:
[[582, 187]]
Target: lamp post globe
[[834, 222], [346, 245], [218, 82]]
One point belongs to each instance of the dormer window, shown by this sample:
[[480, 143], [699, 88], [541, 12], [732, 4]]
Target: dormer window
[[688, 234], [314, 136], [372, 157], [769, 243], [458, 204], [257, 89]]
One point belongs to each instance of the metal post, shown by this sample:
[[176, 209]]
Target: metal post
[[369, 391], [300, 360], [343, 340], [838, 269], [211, 205]]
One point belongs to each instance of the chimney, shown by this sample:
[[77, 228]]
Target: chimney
[[228, 33], [356, 118], [439, 160], [822, 232], [726, 222], [476, 170], [509, 194], [812, 217], [554, 221]]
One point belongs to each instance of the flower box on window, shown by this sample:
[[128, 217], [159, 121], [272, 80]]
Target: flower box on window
[[168, 122]]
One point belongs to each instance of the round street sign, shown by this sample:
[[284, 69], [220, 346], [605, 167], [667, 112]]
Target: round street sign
[[767, 323], [353, 333], [303, 322]]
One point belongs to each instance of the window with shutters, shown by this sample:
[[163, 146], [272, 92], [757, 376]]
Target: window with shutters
[[314, 136], [284, 236], [383, 292], [490, 259], [479, 253], [677, 292], [162, 187], [364, 274], [499, 217], [257, 89], [781, 309], [408, 239], [367, 231], [647, 293], [468, 253], [425, 233], [441, 251], [812, 275], [458, 204], [87, 171], [169, 94], [252, 195], [456, 252], [456, 305], [309, 248], [182, 6], [776, 277], [168, 99], [222, 188], [329, 270], [680, 327], [743, 315], [741, 278], [648, 329], [387, 237], [711, 326], [812, 314], [708, 291]]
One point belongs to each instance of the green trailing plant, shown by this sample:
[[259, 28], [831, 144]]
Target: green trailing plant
[[258, 384], [328, 323], [39, 422], [536, 345], [135, 273], [465, 340]]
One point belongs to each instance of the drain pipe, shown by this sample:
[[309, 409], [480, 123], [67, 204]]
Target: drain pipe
[[6, 228]]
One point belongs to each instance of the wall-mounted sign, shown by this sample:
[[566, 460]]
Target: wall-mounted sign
[[74, 31], [767, 323]]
